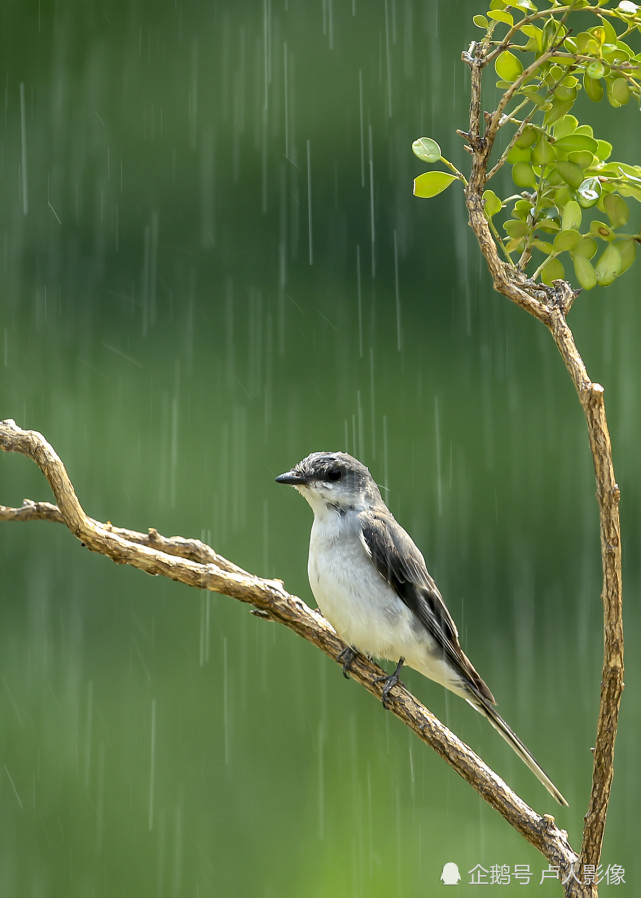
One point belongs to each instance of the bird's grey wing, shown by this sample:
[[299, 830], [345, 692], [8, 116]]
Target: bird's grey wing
[[400, 563]]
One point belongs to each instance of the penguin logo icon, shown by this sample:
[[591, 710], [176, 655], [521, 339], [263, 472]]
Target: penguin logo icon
[[450, 875]]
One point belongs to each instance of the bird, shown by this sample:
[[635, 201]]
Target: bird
[[372, 584]]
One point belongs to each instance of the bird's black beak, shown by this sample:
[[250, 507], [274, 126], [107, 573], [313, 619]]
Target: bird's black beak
[[293, 478]]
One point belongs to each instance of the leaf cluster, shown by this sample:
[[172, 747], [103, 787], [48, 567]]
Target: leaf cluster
[[571, 204]]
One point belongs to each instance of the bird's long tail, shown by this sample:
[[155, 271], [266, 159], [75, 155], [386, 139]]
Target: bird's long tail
[[513, 740]]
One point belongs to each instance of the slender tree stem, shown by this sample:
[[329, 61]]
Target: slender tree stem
[[551, 305]]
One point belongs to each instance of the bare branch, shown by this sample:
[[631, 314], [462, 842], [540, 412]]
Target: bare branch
[[551, 305], [196, 564]]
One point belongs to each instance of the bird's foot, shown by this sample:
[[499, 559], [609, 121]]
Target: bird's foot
[[390, 681], [346, 657]]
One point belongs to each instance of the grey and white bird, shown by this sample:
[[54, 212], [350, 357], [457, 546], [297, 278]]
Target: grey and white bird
[[371, 583]]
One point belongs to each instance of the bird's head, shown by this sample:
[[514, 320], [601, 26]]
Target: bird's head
[[333, 480]]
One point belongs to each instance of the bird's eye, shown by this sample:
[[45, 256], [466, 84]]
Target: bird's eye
[[334, 474]]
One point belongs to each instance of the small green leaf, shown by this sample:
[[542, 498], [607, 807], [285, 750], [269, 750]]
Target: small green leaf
[[564, 126], [515, 246], [491, 203], [426, 149], [616, 209], [561, 92], [500, 15], [480, 21], [516, 229], [522, 209], [552, 271], [527, 137], [432, 183], [508, 66], [543, 246], [628, 249], [584, 271], [604, 150], [571, 218], [595, 69], [543, 153], [581, 158], [589, 192], [523, 175], [576, 142], [519, 154], [618, 92], [609, 265], [571, 173], [586, 248], [565, 241], [601, 230], [535, 36], [558, 109], [593, 88]]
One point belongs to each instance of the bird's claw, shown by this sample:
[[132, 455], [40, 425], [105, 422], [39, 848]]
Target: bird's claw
[[389, 681], [346, 657]]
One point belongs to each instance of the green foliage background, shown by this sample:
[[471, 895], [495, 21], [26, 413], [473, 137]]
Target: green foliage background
[[173, 326]]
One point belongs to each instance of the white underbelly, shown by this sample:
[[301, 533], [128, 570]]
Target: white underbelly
[[368, 614]]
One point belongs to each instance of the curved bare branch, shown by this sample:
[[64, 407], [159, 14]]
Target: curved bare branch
[[195, 564]]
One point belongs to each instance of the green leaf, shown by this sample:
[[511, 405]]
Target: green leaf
[[527, 137], [618, 92], [571, 218], [628, 249], [480, 21], [519, 154], [431, 183], [565, 241], [609, 265], [522, 209], [589, 192], [616, 209], [558, 109], [543, 153], [601, 230], [586, 248], [500, 15], [595, 69], [571, 173], [491, 203], [582, 158], [535, 35], [552, 271], [610, 33], [516, 229], [543, 246], [604, 150], [593, 88], [508, 66], [576, 142], [426, 149], [564, 126], [584, 271], [515, 246], [523, 175]]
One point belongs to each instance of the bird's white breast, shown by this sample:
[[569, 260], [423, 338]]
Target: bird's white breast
[[362, 607]]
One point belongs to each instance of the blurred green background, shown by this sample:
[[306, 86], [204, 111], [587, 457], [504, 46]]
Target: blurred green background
[[212, 265]]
